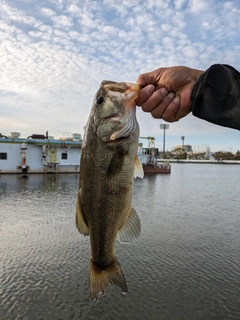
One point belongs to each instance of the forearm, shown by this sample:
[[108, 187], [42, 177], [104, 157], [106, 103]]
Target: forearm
[[216, 96]]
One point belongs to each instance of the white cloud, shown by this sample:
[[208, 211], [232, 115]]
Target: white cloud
[[197, 6], [62, 21], [179, 4], [48, 12], [74, 10], [53, 59]]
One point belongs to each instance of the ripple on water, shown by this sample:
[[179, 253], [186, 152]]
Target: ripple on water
[[185, 265]]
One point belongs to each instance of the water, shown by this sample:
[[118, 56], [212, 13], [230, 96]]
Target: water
[[185, 265]]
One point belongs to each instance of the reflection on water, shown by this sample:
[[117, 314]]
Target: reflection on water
[[185, 265]]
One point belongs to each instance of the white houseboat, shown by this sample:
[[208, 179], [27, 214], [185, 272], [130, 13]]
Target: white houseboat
[[39, 154]]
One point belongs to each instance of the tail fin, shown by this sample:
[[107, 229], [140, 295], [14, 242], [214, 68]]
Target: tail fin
[[100, 278]]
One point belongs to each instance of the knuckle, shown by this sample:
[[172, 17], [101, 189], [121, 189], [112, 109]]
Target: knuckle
[[146, 107], [155, 115], [157, 112], [168, 117]]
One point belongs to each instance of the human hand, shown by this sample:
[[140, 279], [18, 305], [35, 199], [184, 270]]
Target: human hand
[[166, 92]]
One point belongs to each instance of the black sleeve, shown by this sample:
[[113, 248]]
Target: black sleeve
[[216, 96]]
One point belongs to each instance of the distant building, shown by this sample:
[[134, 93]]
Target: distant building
[[186, 147]]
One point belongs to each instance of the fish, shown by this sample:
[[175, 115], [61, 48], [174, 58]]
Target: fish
[[108, 166]]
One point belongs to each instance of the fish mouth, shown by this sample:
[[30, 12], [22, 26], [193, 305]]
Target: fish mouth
[[128, 91], [119, 86]]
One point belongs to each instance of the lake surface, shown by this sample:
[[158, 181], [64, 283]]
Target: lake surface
[[185, 265]]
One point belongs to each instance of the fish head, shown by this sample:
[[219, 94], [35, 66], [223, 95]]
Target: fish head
[[114, 111]]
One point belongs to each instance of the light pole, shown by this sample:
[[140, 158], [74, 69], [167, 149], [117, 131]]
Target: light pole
[[182, 137], [164, 127]]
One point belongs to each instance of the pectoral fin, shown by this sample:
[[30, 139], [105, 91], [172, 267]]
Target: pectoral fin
[[80, 222], [138, 168], [131, 228]]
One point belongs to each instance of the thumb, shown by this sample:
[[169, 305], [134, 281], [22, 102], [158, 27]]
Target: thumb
[[152, 77]]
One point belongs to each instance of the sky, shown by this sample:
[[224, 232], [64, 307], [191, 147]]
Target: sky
[[55, 53]]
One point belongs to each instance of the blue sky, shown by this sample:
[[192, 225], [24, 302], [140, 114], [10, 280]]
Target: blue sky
[[55, 53]]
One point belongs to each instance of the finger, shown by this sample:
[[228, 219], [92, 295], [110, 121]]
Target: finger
[[170, 112], [182, 112], [155, 100], [144, 94], [160, 109], [184, 107], [185, 103]]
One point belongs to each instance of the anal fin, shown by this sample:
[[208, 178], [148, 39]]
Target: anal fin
[[131, 228], [138, 168]]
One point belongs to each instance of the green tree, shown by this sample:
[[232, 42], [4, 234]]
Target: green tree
[[180, 154], [222, 155]]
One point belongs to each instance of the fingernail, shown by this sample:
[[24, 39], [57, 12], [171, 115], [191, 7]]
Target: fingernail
[[149, 89], [164, 91], [176, 100], [171, 95]]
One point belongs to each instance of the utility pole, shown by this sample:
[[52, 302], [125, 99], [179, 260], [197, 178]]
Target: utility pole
[[164, 127], [182, 137]]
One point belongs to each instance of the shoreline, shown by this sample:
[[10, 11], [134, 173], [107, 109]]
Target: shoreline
[[236, 162]]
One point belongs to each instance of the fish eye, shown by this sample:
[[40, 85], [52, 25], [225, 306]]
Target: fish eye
[[100, 100]]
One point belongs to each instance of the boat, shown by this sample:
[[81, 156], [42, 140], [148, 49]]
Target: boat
[[148, 158], [39, 153], [151, 165]]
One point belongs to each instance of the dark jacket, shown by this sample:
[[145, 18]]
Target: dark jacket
[[216, 96]]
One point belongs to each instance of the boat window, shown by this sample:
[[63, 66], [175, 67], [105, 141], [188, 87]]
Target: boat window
[[64, 156], [3, 155]]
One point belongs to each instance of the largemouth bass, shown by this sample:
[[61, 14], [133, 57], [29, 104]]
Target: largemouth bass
[[108, 165]]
